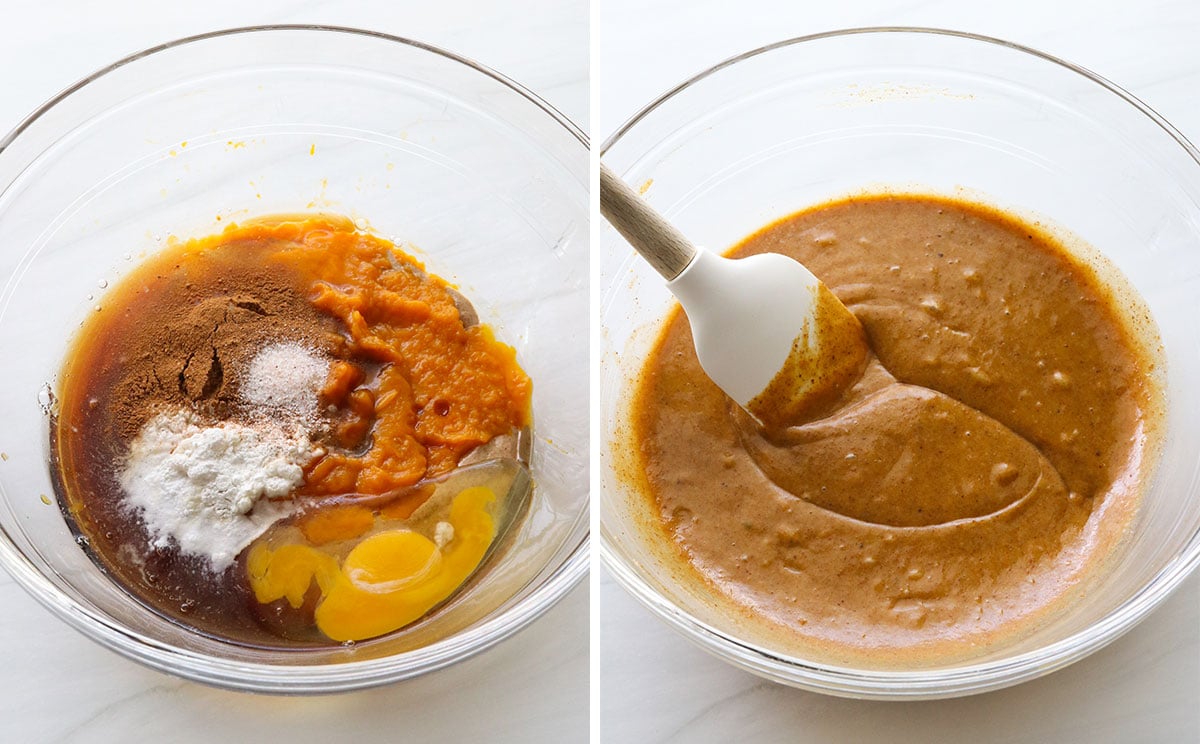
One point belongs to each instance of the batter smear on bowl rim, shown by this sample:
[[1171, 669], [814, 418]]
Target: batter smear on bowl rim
[[981, 471], [256, 434]]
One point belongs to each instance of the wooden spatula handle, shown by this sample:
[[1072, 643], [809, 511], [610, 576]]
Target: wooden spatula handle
[[663, 247]]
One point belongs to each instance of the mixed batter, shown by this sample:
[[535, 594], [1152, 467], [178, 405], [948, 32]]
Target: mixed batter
[[982, 468]]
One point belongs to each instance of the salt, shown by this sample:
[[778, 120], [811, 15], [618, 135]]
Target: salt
[[285, 377]]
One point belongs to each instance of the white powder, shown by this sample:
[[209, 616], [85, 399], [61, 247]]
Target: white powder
[[208, 487], [285, 377]]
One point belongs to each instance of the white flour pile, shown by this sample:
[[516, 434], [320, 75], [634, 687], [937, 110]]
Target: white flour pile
[[285, 377], [208, 488]]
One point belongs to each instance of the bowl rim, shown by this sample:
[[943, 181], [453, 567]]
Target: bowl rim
[[952, 681], [301, 679], [532, 97]]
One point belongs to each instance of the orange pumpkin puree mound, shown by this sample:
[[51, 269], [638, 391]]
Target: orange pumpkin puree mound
[[441, 389]]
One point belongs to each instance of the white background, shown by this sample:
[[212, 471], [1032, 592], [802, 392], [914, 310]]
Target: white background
[[655, 686], [55, 685]]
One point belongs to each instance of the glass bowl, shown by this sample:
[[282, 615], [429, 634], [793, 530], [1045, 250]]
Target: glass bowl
[[797, 123], [475, 175]]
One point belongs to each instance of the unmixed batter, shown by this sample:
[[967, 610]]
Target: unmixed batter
[[253, 433], [983, 467]]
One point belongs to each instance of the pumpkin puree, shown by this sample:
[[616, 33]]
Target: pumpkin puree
[[442, 388]]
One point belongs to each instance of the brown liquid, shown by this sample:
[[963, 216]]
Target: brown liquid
[[984, 466], [174, 333]]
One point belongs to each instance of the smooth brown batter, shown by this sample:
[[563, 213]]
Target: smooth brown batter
[[825, 360], [983, 468]]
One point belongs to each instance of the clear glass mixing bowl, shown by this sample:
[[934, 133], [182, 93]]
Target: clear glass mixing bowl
[[468, 170], [797, 123]]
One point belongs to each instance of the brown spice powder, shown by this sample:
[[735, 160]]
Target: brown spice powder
[[193, 332]]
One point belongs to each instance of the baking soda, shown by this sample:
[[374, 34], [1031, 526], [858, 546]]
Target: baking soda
[[209, 488]]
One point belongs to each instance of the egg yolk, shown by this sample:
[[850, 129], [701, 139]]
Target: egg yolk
[[387, 581]]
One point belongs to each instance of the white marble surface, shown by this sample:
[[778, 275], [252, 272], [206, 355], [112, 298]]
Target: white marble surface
[[657, 687], [55, 685]]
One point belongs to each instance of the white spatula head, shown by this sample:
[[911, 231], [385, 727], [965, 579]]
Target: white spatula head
[[770, 334], [767, 331]]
